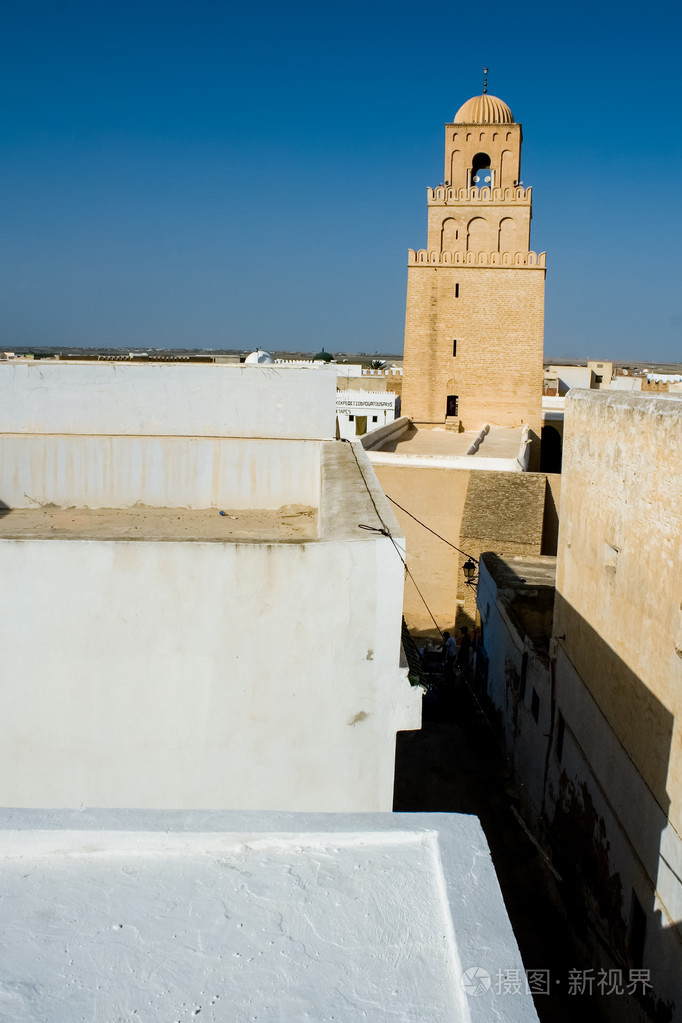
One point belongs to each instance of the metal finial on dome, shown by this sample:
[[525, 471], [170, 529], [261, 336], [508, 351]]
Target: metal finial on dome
[[485, 81]]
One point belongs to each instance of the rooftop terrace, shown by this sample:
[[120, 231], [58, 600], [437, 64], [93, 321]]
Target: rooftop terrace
[[492, 447], [500, 442], [292, 522]]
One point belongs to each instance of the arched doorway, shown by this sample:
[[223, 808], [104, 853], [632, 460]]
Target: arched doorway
[[550, 451]]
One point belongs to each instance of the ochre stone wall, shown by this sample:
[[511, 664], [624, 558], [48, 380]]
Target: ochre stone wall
[[475, 510], [496, 316], [392, 383], [501, 142], [504, 512], [436, 497]]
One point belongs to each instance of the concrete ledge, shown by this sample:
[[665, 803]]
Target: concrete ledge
[[380, 436]]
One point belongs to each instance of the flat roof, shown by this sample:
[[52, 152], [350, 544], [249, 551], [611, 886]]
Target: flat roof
[[526, 585], [292, 522], [352, 507], [520, 572], [500, 442], [250, 916]]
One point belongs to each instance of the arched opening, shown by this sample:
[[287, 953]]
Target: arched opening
[[457, 169], [508, 172], [449, 235], [550, 452], [481, 174], [507, 235], [478, 235]]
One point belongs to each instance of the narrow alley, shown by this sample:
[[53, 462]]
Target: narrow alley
[[454, 764]]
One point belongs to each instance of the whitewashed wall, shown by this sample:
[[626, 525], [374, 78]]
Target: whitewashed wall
[[173, 472], [379, 405], [261, 676], [162, 399]]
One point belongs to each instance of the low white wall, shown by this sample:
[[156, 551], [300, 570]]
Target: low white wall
[[391, 431], [147, 674], [572, 376], [173, 472], [445, 461], [163, 399]]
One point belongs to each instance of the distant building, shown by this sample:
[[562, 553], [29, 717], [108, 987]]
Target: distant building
[[359, 411], [259, 358]]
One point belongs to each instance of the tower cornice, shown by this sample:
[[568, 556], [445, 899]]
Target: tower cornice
[[444, 196], [505, 260]]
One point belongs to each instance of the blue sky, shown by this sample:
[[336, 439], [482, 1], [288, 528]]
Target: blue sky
[[213, 174]]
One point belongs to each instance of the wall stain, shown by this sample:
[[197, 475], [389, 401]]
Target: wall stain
[[357, 718]]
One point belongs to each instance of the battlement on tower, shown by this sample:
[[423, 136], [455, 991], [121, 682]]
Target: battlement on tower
[[513, 260], [476, 196]]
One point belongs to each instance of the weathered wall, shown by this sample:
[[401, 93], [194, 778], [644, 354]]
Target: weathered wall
[[174, 472], [146, 674], [166, 400], [619, 663], [515, 670], [580, 790], [620, 549], [436, 497], [504, 513]]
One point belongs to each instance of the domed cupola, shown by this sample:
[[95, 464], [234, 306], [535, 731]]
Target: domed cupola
[[484, 109]]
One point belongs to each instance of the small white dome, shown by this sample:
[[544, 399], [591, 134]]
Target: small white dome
[[259, 358]]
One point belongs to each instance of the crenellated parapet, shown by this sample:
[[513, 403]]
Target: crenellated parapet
[[475, 196], [513, 260]]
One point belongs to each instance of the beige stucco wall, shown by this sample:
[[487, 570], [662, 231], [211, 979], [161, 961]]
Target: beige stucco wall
[[473, 509], [618, 582], [436, 497]]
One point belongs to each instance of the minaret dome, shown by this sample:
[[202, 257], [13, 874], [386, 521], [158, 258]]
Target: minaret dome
[[484, 109]]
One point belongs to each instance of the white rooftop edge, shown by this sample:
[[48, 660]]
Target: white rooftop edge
[[249, 916]]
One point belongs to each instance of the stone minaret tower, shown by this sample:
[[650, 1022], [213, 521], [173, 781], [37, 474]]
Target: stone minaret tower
[[475, 295]]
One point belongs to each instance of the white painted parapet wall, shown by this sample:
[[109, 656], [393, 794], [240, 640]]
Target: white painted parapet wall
[[166, 400], [243, 916], [111, 435]]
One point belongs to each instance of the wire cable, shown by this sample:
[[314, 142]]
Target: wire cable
[[385, 531], [454, 547]]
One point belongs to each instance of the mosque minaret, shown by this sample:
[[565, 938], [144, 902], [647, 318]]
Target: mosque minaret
[[475, 295]]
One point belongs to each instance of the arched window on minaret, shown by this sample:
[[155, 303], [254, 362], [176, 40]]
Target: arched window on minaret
[[478, 235], [481, 173], [449, 235], [507, 235]]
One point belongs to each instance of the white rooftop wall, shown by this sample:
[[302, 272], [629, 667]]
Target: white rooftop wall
[[111, 435], [166, 400], [162, 472]]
